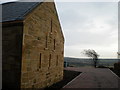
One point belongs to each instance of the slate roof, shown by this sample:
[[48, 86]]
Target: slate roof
[[16, 10]]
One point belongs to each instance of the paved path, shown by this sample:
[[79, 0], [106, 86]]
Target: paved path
[[93, 78]]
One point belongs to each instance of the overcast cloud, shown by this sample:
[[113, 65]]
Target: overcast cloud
[[89, 25]]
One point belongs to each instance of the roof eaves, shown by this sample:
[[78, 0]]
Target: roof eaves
[[11, 20], [12, 23], [7, 2]]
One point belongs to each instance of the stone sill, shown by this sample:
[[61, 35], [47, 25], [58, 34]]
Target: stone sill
[[53, 50], [51, 33], [45, 48]]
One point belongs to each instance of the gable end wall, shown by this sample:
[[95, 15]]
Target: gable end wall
[[43, 48]]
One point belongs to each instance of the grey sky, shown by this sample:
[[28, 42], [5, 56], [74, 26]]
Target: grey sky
[[89, 25]]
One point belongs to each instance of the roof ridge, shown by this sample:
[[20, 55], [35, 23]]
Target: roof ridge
[[9, 2]]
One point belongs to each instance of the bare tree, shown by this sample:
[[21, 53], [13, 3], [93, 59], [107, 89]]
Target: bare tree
[[93, 55]]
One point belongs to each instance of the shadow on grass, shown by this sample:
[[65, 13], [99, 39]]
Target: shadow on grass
[[68, 76]]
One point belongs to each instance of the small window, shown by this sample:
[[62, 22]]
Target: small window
[[40, 60], [54, 44], [49, 60], [57, 60], [46, 41], [62, 52], [51, 25]]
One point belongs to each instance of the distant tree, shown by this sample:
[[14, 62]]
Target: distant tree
[[92, 54]]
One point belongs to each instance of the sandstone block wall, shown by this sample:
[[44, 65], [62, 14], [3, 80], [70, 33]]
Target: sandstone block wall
[[11, 56], [42, 48]]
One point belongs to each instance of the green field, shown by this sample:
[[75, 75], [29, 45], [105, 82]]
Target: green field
[[80, 62]]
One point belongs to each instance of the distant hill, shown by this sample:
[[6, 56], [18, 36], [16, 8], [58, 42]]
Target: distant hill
[[78, 62]]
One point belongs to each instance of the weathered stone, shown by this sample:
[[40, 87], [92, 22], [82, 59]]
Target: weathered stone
[[38, 53], [11, 57]]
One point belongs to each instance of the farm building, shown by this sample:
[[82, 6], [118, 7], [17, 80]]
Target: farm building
[[32, 45]]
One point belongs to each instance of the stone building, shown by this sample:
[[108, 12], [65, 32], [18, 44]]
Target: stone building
[[32, 45]]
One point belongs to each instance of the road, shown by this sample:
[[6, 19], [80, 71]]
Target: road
[[93, 78]]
